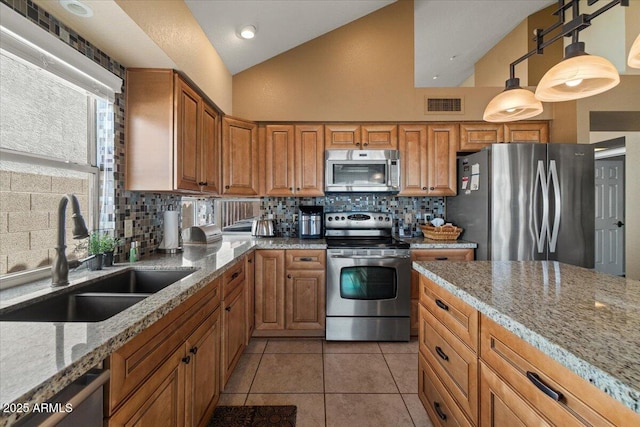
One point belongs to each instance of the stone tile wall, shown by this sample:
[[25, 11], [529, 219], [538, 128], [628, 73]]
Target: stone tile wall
[[29, 218]]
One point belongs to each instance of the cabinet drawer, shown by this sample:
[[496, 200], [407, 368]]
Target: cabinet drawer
[[458, 254], [441, 408], [232, 278], [580, 403], [304, 259], [501, 406], [454, 362], [459, 317], [139, 358]]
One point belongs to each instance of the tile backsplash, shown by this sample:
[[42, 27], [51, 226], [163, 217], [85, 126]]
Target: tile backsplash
[[284, 210]]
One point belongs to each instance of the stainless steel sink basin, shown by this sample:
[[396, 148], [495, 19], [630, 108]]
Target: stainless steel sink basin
[[137, 281], [99, 300], [82, 307]]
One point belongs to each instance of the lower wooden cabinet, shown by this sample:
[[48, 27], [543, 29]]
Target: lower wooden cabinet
[[233, 332], [290, 295], [455, 254], [169, 374]]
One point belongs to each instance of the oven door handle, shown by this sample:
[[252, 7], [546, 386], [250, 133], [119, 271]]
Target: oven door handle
[[371, 256]]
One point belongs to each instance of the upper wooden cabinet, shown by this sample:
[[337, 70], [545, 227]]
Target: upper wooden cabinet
[[239, 157], [428, 159], [526, 132], [294, 160], [474, 136], [361, 136], [172, 135]]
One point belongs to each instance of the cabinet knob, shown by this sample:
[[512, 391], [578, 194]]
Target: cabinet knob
[[432, 188], [297, 188], [186, 359], [226, 187], [357, 143], [290, 188], [424, 188], [365, 144], [202, 183], [194, 350], [288, 276], [228, 308], [234, 275], [250, 261]]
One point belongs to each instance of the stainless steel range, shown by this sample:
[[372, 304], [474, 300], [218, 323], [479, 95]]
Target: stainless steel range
[[368, 279]]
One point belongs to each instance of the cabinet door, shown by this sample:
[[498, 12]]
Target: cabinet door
[[413, 160], [305, 296], [380, 136], [159, 401], [526, 132], [343, 136], [239, 157], [474, 136], [441, 159], [187, 121], [210, 149], [501, 406], [202, 371], [233, 332], [249, 288], [309, 160], [279, 161], [269, 288]]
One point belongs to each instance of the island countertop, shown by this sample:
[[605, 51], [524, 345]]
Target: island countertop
[[587, 321]]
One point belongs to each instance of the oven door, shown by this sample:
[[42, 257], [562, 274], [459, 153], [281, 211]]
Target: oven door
[[368, 283]]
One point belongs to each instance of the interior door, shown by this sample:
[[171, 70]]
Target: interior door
[[609, 227]]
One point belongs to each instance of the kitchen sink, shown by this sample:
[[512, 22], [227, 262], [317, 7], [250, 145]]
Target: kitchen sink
[[98, 300], [82, 307], [137, 281]]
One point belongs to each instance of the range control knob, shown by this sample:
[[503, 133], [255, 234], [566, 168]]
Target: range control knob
[[342, 218], [379, 218], [386, 219], [329, 218]]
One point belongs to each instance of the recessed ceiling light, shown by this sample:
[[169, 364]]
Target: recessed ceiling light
[[453, 57], [77, 8], [247, 32], [435, 77]]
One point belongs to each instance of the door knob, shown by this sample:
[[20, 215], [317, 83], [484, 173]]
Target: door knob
[[619, 223]]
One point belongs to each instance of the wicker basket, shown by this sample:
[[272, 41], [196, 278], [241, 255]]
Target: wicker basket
[[444, 232]]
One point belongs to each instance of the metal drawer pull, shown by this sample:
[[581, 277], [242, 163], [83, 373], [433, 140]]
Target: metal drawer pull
[[441, 258], [306, 258], [442, 305], [442, 354], [535, 379], [441, 414], [234, 275], [371, 256]]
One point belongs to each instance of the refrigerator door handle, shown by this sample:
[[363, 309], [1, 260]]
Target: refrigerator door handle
[[553, 177], [541, 227]]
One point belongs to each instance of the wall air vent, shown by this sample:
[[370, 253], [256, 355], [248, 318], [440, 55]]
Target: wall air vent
[[443, 105]]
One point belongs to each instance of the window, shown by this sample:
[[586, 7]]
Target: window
[[56, 137]]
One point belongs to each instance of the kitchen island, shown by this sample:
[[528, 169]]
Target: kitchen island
[[585, 321]]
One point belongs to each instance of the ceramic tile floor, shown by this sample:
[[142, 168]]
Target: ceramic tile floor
[[333, 384]]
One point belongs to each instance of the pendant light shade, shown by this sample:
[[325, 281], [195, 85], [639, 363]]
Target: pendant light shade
[[579, 75], [514, 103], [634, 54]]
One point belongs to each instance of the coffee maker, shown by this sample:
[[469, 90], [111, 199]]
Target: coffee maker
[[310, 222]]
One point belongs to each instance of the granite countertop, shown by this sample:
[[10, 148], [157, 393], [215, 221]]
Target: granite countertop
[[59, 353], [587, 321], [424, 243]]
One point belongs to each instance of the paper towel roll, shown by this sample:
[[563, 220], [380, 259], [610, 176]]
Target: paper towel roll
[[170, 239]]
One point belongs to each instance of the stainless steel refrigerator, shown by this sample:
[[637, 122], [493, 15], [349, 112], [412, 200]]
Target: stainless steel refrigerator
[[527, 202]]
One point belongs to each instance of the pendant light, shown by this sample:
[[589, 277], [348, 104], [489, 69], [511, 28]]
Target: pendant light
[[634, 54], [577, 76], [514, 103]]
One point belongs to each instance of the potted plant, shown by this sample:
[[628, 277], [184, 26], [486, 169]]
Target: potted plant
[[95, 249], [108, 244]]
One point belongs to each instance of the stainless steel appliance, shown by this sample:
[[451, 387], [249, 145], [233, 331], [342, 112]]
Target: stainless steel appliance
[[528, 202], [368, 279], [360, 171], [310, 222], [263, 228]]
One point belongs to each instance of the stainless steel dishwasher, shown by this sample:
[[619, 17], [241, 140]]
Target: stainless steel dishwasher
[[78, 404]]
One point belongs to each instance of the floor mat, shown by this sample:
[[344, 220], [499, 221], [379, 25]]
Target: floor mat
[[254, 416]]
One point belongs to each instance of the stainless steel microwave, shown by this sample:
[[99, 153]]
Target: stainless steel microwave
[[362, 171]]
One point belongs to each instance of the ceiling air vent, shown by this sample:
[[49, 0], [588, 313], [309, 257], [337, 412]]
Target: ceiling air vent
[[443, 105]]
